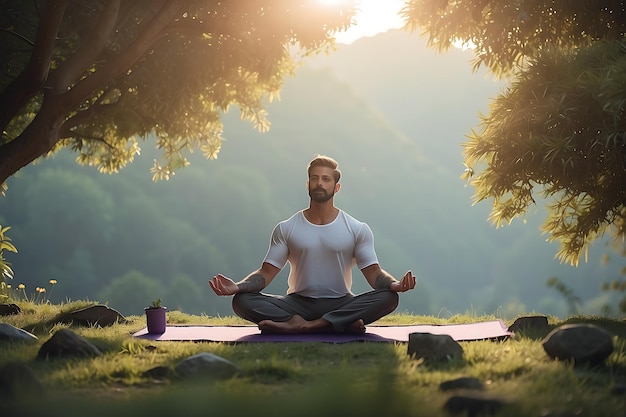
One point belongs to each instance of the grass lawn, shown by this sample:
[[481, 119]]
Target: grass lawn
[[304, 379]]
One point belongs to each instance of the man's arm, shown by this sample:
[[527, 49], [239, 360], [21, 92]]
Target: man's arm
[[378, 278], [254, 282]]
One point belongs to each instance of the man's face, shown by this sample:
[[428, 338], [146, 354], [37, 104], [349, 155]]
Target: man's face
[[321, 184]]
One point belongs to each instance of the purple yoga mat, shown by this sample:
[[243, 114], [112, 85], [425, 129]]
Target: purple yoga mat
[[460, 332]]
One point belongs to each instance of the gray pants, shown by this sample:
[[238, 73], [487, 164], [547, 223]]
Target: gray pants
[[340, 312]]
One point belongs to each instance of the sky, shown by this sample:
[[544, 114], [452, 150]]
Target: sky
[[373, 17]]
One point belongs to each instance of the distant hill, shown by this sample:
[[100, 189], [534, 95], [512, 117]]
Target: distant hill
[[433, 97]]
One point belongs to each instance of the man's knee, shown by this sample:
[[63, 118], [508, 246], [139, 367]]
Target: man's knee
[[390, 299], [241, 303], [241, 297]]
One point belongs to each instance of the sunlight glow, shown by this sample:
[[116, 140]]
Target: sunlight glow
[[377, 16], [373, 17]]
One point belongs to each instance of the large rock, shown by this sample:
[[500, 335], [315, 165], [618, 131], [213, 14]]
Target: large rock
[[65, 343], [96, 315], [433, 346], [530, 324], [9, 309], [206, 365], [9, 333], [579, 343]]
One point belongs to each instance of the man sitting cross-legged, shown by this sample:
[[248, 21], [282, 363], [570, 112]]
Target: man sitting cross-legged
[[321, 244]]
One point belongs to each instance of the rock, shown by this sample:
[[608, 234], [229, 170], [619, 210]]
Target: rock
[[530, 324], [18, 381], [100, 315], [158, 373], [9, 309], [433, 346], [206, 365], [462, 383], [13, 334], [473, 403], [579, 343], [65, 343]]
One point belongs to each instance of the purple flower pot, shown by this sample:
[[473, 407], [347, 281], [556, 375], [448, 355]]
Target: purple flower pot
[[155, 319]]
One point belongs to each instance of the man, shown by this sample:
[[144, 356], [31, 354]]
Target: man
[[321, 244]]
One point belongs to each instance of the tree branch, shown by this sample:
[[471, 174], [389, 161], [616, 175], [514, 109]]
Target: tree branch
[[33, 77], [126, 59], [83, 116], [70, 71]]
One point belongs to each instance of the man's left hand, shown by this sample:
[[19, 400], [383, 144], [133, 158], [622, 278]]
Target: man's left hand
[[405, 284]]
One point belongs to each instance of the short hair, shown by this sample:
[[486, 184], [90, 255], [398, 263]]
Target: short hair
[[325, 161]]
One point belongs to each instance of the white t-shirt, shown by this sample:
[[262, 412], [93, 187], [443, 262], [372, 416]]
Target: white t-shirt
[[321, 256]]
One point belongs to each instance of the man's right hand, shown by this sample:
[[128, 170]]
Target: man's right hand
[[222, 285]]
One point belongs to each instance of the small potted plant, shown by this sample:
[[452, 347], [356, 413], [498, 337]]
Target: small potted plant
[[155, 317]]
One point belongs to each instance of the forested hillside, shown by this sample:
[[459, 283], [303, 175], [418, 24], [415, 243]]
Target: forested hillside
[[396, 131]]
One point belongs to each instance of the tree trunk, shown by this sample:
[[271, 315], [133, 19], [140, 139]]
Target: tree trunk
[[36, 140]]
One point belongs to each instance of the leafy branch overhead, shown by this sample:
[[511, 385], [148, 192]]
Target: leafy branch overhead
[[98, 77], [559, 129]]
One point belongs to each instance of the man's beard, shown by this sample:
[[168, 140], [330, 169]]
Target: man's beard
[[322, 197]]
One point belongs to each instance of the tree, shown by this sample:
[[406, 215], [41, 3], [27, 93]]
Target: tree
[[559, 129], [98, 76]]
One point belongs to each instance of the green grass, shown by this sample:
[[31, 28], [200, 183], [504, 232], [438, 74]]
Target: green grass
[[302, 379]]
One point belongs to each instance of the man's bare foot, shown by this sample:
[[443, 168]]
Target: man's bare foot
[[295, 324], [357, 327]]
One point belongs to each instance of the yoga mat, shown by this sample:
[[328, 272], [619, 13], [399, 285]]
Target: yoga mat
[[459, 332]]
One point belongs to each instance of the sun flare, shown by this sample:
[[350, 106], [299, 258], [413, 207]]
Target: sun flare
[[372, 17]]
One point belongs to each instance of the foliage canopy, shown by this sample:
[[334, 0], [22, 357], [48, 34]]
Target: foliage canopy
[[560, 126], [98, 76]]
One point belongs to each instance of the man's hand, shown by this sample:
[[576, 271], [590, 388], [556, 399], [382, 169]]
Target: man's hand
[[405, 284], [222, 285]]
